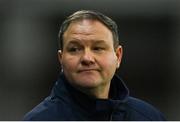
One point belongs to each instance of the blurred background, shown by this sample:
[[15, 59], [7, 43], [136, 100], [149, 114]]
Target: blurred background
[[149, 33]]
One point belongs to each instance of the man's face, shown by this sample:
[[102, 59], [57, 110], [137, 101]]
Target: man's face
[[88, 57]]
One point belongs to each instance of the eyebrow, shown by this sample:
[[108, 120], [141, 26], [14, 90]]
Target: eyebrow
[[100, 41], [76, 41], [73, 42]]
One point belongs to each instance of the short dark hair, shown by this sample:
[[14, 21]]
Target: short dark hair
[[89, 14]]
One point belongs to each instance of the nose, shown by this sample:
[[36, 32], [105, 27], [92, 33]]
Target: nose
[[87, 58]]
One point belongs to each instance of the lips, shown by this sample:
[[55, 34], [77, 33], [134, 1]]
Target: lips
[[87, 70]]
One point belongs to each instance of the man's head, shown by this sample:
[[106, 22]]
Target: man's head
[[87, 14], [90, 52]]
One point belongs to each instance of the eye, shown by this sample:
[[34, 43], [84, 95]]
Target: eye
[[98, 48], [74, 49]]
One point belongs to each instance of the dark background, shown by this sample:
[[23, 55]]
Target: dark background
[[149, 32]]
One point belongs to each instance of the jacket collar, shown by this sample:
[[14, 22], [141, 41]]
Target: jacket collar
[[118, 94]]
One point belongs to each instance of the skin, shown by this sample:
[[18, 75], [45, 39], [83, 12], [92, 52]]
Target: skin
[[88, 58]]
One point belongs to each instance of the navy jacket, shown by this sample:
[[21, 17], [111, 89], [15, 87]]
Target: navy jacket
[[67, 103]]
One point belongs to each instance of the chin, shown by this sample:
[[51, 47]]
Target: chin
[[87, 83]]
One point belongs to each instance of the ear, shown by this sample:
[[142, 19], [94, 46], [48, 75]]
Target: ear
[[60, 56], [119, 53]]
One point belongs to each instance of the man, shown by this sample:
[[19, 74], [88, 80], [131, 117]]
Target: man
[[88, 88]]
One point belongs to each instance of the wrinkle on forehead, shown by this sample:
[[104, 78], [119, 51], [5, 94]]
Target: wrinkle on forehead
[[87, 32], [85, 27]]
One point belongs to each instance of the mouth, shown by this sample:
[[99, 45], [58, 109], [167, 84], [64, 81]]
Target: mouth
[[87, 70]]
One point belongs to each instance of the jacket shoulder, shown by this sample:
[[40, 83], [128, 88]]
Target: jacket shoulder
[[46, 110], [141, 110]]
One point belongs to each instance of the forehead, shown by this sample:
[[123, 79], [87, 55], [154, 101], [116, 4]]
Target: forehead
[[87, 28], [88, 20]]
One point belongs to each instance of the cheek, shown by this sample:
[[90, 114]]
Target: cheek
[[69, 63], [108, 62]]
